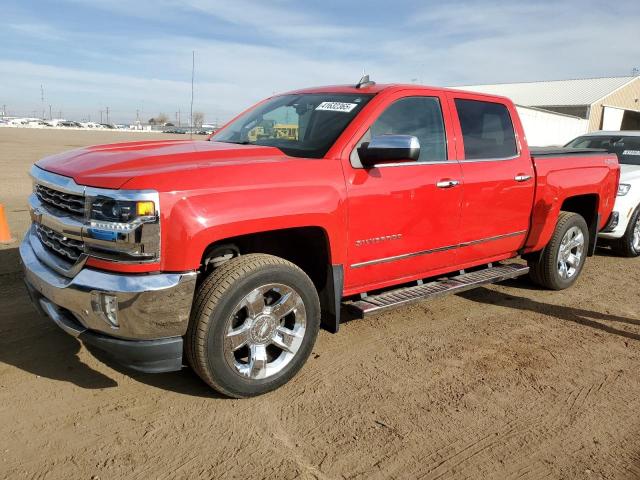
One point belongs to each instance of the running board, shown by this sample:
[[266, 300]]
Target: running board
[[406, 295]]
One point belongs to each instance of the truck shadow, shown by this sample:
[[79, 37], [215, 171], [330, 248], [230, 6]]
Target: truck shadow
[[35, 345], [184, 381], [587, 318]]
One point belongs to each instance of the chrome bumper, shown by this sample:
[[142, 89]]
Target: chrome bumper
[[150, 306]]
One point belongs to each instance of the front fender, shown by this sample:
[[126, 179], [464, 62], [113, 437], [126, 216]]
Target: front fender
[[193, 221]]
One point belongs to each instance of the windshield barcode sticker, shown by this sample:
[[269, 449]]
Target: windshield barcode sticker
[[631, 152], [337, 106]]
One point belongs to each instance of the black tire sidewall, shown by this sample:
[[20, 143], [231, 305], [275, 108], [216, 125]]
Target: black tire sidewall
[[628, 236], [558, 282], [220, 370]]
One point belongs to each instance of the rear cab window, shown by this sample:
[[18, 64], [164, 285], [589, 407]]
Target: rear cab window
[[487, 130]]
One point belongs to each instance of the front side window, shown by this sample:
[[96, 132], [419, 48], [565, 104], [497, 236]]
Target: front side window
[[627, 148], [417, 116], [487, 130], [301, 125]]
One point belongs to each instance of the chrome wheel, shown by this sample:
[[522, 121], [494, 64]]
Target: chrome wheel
[[265, 331], [635, 238], [570, 253]]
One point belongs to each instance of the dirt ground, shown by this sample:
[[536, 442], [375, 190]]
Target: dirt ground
[[506, 381]]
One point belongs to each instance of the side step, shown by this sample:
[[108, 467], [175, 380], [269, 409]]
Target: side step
[[406, 295]]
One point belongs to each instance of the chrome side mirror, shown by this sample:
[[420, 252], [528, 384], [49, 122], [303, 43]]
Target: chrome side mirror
[[389, 148]]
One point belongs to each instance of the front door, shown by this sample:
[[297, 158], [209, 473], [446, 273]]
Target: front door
[[404, 216]]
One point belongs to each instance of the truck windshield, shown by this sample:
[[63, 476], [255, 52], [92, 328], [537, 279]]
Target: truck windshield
[[302, 125], [626, 147]]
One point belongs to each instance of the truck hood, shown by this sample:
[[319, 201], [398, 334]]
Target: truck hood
[[629, 173], [112, 165]]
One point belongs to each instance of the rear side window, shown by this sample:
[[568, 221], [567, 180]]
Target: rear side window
[[487, 130]]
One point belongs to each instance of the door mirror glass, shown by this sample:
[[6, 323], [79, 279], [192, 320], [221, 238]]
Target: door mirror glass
[[389, 148]]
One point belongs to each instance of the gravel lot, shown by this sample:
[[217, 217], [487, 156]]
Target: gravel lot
[[506, 381]]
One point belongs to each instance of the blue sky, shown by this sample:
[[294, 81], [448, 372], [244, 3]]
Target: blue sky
[[136, 54]]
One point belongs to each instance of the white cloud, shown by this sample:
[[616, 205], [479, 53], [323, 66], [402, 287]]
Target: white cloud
[[281, 45], [39, 31]]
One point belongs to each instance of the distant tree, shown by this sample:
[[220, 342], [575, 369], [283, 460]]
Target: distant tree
[[161, 119], [152, 121], [198, 119]]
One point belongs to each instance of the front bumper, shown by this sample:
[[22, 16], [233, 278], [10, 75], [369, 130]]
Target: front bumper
[[624, 206], [152, 309]]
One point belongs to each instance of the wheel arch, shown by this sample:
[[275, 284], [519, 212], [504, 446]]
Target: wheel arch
[[587, 206], [307, 247]]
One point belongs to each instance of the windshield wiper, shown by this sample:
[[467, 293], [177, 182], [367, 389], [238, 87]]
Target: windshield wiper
[[246, 142]]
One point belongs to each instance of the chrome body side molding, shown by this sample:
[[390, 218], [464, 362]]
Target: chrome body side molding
[[435, 250]]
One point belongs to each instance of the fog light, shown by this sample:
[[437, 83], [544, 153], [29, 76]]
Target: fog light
[[107, 306]]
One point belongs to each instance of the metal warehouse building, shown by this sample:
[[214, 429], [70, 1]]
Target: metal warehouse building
[[607, 103]]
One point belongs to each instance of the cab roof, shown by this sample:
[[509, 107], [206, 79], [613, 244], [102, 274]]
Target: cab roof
[[377, 88]]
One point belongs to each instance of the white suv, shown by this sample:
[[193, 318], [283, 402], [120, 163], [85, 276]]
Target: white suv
[[622, 231]]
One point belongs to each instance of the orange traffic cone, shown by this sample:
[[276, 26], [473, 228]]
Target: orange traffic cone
[[5, 235]]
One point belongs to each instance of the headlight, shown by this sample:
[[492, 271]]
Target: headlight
[[105, 209], [122, 225], [623, 189]]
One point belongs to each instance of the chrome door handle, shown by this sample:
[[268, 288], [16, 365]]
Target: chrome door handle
[[522, 178], [447, 183]]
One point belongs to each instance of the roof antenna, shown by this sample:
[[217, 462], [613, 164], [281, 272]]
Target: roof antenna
[[364, 81]]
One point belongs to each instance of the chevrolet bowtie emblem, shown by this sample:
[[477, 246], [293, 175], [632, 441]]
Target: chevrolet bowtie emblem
[[36, 215]]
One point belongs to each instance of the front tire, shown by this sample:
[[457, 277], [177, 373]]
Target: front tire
[[629, 244], [559, 265], [254, 322]]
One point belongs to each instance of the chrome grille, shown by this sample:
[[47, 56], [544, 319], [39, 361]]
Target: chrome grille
[[63, 246], [67, 202]]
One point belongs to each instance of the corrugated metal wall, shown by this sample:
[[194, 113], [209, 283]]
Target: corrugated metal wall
[[627, 97], [545, 129]]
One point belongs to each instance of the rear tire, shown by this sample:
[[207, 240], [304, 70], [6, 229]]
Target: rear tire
[[629, 244], [254, 322], [559, 265]]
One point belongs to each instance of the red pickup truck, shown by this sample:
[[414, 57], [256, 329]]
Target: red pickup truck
[[232, 252]]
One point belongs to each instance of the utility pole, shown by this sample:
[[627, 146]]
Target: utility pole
[[193, 69], [50, 117], [100, 116], [42, 99], [107, 114], [4, 110], [179, 123]]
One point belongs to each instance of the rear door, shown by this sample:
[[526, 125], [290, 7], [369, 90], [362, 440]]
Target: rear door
[[498, 174], [403, 225]]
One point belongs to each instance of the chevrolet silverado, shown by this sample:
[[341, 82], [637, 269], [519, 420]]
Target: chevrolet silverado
[[228, 254]]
